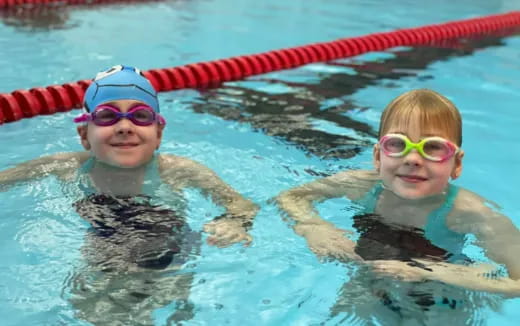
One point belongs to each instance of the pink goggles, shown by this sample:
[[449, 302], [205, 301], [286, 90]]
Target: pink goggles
[[435, 149], [108, 115]]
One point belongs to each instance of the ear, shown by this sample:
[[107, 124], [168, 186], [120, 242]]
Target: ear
[[82, 132], [160, 129], [457, 168], [376, 157]]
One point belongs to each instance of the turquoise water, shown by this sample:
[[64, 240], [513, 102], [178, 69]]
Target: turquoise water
[[261, 136]]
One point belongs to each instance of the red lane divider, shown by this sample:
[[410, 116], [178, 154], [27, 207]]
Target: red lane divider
[[6, 4], [58, 98]]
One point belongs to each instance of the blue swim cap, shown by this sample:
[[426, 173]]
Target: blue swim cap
[[120, 83]]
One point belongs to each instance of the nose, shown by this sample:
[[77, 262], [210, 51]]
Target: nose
[[413, 158], [124, 126]]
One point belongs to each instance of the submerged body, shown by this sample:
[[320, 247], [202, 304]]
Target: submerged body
[[399, 248], [404, 242], [133, 255], [414, 224], [138, 243], [378, 240], [137, 229]]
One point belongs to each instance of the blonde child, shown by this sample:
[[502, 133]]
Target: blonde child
[[414, 222], [135, 244]]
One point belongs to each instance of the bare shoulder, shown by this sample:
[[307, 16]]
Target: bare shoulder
[[78, 157], [180, 167], [472, 204], [62, 165], [182, 172], [57, 161], [473, 213], [170, 161], [465, 201]]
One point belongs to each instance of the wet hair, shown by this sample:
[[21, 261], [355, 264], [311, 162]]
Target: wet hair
[[426, 107]]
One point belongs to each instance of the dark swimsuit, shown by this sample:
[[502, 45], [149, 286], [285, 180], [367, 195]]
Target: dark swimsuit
[[381, 241], [157, 236]]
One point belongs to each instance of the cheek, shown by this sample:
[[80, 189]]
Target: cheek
[[442, 171], [97, 136], [153, 136], [389, 163]]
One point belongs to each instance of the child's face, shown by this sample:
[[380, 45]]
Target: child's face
[[123, 144], [413, 176]]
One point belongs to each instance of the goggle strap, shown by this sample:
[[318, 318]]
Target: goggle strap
[[83, 118]]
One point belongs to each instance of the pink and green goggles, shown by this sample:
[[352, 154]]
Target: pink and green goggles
[[435, 149], [108, 115]]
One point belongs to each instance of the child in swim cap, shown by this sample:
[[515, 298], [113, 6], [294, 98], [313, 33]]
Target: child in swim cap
[[417, 154], [123, 127], [121, 130], [136, 242]]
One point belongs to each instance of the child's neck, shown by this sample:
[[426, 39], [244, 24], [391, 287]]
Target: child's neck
[[406, 211], [425, 200], [117, 181]]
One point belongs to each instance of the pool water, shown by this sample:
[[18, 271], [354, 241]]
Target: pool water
[[262, 136]]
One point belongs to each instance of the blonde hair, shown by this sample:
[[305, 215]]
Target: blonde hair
[[426, 107]]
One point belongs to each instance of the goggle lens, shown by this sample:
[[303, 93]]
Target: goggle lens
[[432, 148], [104, 117], [393, 145], [436, 148], [143, 116], [107, 115]]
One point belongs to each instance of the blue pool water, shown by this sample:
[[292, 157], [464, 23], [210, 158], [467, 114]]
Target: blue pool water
[[261, 136]]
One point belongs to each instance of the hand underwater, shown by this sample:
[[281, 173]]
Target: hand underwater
[[227, 230], [421, 270], [328, 241], [402, 270]]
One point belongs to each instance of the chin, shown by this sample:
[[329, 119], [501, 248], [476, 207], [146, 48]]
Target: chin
[[415, 194], [406, 194], [130, 165], [125, 164]]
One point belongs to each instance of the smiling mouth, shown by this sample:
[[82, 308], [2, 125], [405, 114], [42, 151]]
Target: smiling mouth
[[412, 178], [124, 145]]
